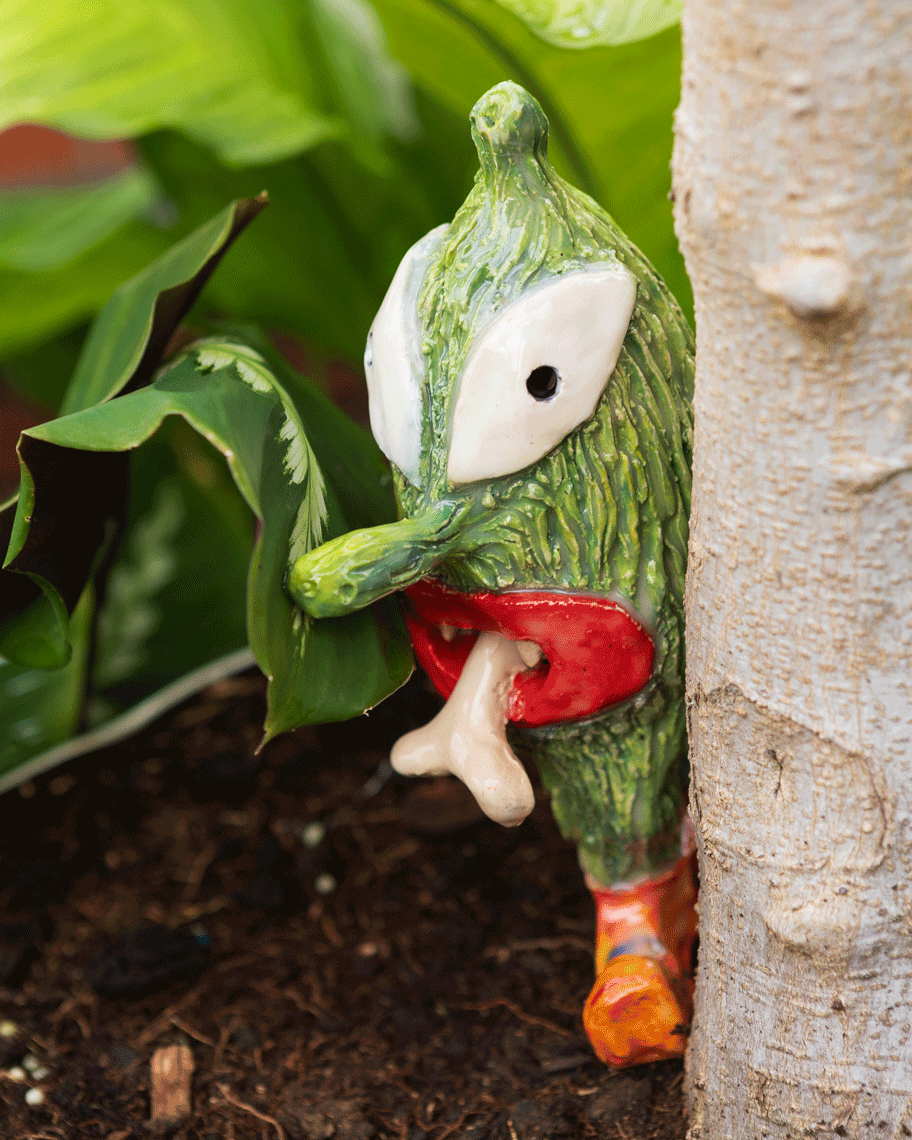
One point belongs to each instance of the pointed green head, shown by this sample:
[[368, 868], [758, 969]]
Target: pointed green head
[[521, 230], [530, 380]]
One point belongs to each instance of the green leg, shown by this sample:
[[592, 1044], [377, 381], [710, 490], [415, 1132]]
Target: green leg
[[617, 786]]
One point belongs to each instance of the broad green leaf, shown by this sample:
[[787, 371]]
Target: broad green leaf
[[35, 635], [123, 349], [339, 225], [41, 375], [299, 266], [35, 306], [333, 51], [586, 23], [233, 74], [347, 455], [427, 35], [225, 390], [44, 228], [248, 80]]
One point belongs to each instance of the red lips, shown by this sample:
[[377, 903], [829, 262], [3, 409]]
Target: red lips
[[597, 654]]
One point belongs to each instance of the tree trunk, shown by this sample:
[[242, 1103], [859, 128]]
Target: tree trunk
[[793, 183]]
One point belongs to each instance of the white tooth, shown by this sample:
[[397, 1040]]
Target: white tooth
[[448, 632], [530, 653], [468, 735]]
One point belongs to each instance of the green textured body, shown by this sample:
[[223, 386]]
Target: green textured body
[[603, 513]]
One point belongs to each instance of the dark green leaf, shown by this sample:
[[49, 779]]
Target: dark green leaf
[[167, 607], [372, 88], [40, 707], [41, 375], [33, 632], [227, 392], [127, 341], [31, 690], [321, 258], [347, 455], [33, 635]]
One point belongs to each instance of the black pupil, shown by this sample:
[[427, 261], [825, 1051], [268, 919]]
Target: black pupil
[[542, 382]]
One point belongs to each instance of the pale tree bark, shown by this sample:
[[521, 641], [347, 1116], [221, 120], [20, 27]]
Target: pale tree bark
[[793, 183]]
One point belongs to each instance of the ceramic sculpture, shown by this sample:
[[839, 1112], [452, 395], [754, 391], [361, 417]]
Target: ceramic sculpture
[[530, 381]]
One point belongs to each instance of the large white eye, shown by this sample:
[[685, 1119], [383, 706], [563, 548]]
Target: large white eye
[[538, 370], [393, 363]]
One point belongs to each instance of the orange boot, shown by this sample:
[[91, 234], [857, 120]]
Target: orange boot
[[642, 1001]]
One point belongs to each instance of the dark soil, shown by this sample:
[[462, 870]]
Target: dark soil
[[347, 954]]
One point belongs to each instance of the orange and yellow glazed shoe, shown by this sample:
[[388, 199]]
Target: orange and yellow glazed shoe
[[642, 1001]]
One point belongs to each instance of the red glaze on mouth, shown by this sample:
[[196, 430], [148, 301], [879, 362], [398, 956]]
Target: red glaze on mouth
[[597, 654]]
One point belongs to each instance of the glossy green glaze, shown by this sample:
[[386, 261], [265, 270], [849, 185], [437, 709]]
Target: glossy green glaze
[[604, 512]]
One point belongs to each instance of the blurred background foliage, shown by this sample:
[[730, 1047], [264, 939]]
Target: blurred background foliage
[[130, 123]]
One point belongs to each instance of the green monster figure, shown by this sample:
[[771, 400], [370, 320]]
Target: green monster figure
[[530, 380]]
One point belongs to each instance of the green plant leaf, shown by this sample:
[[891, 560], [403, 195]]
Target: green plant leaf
[[347, 455], [39, 708], [35, 636], [248, 80], [341, 222], [43, 228], [38, 304], [586, 23], [248, 68], [127, 341], [225, 390], [298, 268], [166, 608], [367, 83], [123, 349], [169, 622], [34, 629], [41, 375], [233, 74]]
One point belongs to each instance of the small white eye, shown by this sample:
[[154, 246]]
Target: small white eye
[[537, 371], [393, 363]]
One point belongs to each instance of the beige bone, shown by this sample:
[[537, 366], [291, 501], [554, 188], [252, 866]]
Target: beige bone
[[468, 735]]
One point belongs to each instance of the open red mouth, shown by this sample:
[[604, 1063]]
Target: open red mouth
[[596, 653]]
